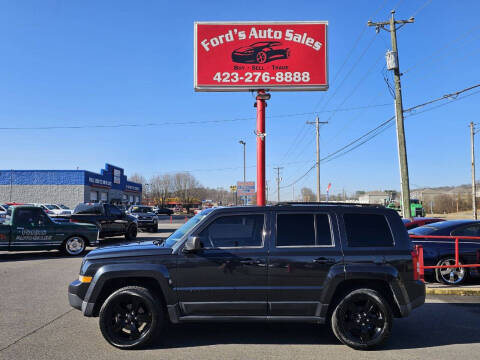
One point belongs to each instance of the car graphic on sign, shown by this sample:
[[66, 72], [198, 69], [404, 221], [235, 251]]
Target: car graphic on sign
[[260, 52]]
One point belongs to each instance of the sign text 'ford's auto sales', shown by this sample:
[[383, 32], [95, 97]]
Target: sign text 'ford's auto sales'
[[263, 55]]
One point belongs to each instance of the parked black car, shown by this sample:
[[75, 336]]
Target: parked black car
[[260, 52], [164, 211], [350, 266], [442, 251], [110, 220]]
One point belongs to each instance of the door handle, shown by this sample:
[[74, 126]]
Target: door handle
[[20, 228], [379, 261], [324, 260]]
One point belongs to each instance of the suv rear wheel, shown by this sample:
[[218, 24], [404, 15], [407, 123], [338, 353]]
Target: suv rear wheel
[[131, 317], [362, 319]]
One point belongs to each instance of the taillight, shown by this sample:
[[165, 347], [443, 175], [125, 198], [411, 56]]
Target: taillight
[[74, 220], [417, 259]]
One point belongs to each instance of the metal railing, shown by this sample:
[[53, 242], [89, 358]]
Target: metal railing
[[417, 254]]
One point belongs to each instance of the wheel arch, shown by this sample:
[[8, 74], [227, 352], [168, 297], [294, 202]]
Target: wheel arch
[[110, 278], [382, 286]]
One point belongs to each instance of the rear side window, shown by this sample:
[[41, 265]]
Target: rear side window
[[367, 230], [303, 230]]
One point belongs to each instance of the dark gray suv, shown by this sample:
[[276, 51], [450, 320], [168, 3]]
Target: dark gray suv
[[346, 265]]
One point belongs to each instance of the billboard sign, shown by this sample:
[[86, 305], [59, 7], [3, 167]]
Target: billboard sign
[[243, 56], [246, 188]]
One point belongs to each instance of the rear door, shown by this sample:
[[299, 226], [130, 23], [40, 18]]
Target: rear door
[[305, 247], [468, 248]]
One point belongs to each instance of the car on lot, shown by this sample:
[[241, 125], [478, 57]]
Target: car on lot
[[260, 52], [347, 265], [29, 228], [162, 211], [146, 218], [109, 219], [441, 252], [3, 213], [419, 221]]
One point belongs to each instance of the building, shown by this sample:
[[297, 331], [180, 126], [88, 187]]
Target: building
[[69, 187], [374, 197]]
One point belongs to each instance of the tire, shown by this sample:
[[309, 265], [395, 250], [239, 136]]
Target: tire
[[362, 319], [74, 246], [454, 276], [131, 318], [261, 57], [131, 233]]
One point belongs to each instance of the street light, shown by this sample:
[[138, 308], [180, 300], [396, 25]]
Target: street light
[[241, 142]]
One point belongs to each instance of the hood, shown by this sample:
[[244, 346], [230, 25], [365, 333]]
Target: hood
[[143, 214], [135, 248]]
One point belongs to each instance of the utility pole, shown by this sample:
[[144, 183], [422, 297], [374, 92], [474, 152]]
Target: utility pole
[[317, 129], [293, 192], [393, 64], [278, 182], [474, 185]]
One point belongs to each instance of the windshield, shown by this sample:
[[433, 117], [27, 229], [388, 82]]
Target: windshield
[[141, 209], [63, 207], [185, 228]]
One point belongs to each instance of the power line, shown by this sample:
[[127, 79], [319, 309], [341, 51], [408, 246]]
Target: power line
[[369, 135], [169, 123]]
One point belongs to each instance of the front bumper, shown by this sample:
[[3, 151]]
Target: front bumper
[[146, 223], [76, 294]]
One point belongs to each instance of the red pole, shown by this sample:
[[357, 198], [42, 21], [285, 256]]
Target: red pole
[[261, 105], [456, 251]]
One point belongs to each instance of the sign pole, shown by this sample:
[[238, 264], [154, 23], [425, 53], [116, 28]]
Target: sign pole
[[261, 105]]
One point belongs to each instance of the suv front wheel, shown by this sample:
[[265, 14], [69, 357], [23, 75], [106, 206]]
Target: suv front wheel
[[131, 317], [362, 319]]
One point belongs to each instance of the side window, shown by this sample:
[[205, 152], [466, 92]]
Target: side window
[[303, 230], [233, 231], [30, 218], [471, 230], [367, 230]]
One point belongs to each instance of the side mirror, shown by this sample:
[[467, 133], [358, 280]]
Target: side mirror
[[193, 244]]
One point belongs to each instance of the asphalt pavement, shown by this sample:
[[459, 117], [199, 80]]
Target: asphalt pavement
[[36, 322]]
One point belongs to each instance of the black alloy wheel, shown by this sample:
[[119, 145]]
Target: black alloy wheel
[[130, 318], [362, 319]]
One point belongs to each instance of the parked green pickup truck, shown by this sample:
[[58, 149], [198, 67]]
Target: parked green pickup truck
[[29, 228]]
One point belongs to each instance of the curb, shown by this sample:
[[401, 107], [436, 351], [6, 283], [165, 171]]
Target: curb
[[453, 291]]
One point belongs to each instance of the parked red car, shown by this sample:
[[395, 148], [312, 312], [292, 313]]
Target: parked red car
[[417, 222]]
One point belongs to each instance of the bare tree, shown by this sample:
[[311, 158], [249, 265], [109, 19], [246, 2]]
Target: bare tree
[[161, 187], [185, 185], [307, 194]]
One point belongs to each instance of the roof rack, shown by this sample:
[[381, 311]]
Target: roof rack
[[327, 203]]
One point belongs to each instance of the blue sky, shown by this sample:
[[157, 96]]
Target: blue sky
[[131, 62]]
